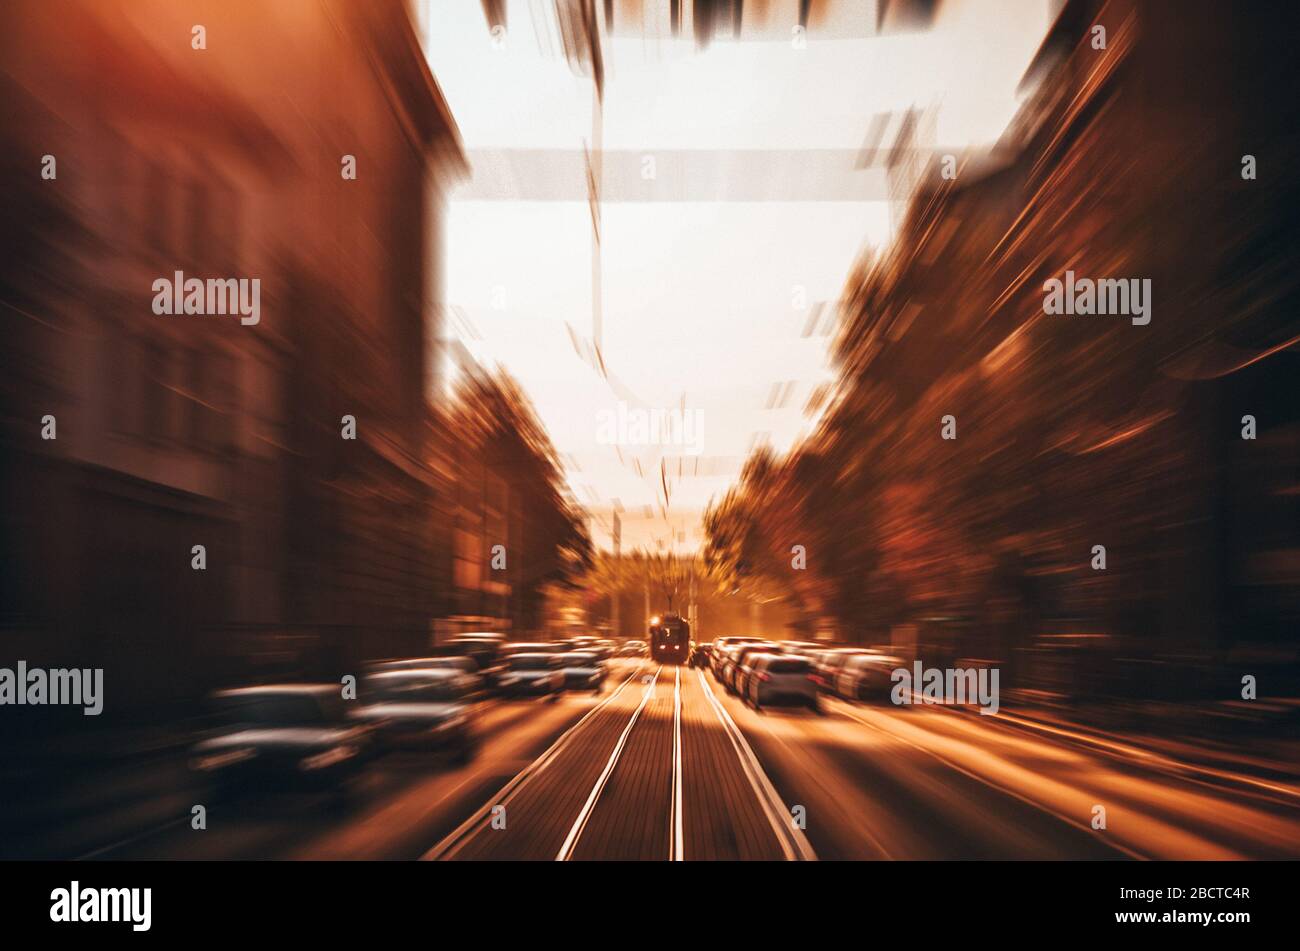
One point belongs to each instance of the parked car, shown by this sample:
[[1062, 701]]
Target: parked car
[[632, 649], [735, 679], [732, 666], [474, 644], [527, 647], [282, 737], [700, 655], [721, 648], [420, 709], [803, 648], [532, 674], [782, 680], [866, 677], [726, 658], [742, 669], [583, 670], [485, 649], [465, 664], [828, 664], [721, 655], [485, 636]]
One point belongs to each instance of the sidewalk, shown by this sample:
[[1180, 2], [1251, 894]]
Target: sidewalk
[[1255, 744], [70, 792]]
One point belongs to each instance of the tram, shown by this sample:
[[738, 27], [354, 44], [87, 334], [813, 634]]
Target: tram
[[670, 639]]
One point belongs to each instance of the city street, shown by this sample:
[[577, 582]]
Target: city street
[[655, 431], [665, 765]]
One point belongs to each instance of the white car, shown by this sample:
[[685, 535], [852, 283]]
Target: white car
[[782, 680], [736, 670], [722, 647]]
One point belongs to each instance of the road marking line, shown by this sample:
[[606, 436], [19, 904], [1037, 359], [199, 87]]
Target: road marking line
[[571, 840], [675, 846], [452, 843], [817, 772], [794, 843], [998, 787]]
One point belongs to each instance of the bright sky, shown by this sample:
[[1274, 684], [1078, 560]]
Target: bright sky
[[706, 300]]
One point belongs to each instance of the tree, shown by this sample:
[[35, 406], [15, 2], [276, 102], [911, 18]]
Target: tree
[[549, 544]]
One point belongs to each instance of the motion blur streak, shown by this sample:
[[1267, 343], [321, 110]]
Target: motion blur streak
[[338, 339]]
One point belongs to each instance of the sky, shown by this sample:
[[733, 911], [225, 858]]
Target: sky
[[719, 273]]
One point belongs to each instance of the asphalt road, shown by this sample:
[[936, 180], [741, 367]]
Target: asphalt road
[[664, 765]]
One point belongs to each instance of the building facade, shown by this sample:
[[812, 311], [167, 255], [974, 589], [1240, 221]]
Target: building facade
[[306, 147]]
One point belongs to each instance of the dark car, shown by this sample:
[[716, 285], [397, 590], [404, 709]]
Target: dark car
[[866, 677], [700, 655], [583, 670], [420, 709], [604, 650], [282, 737], [477, 638], [484, 649], [530, 647], [532, 674], [464, 664], [802, 648], [828, 663]]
